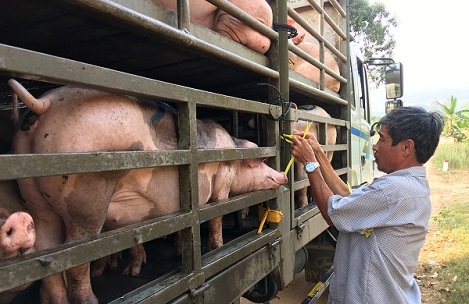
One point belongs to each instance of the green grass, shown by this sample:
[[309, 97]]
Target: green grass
[[457, 155], [454, 217], [453, 222], [456, 271]]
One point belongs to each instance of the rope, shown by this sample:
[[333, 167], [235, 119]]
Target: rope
[[269, 215]]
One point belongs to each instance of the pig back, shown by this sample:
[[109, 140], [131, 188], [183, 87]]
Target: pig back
[[81, 120]]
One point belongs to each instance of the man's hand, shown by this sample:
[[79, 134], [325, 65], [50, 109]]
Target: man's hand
[[301, 149]]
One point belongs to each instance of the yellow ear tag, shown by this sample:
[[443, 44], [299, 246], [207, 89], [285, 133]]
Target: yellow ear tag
[[268, 215], [367, 232]]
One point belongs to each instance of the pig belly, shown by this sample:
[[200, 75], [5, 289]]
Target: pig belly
[[143, 194]]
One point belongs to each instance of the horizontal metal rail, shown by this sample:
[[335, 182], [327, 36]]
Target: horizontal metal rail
[[338, 8], [34, 165], [154, 27], [37, 265], [328, 19], [292, 13], [38, 66], [245, 18], [316, 62], [315, 91]]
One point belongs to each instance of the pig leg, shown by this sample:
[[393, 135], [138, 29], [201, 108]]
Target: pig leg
[[98, 266], [301, 195], [49, 234], [221, 189], [215, 233], [84, 215], [81, 201], [137, 257]]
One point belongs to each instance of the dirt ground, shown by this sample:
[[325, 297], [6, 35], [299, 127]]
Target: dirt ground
[[446, 189]]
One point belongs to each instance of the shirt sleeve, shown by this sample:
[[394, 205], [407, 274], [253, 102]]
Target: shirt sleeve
[[367, 207]]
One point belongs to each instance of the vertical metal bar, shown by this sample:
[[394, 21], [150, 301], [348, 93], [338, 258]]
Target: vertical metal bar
[[286, 126], [322, 82], [188, 185], [183, 13], [345, 89]]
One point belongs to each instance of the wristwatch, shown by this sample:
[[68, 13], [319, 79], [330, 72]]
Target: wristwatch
[[311, 166]]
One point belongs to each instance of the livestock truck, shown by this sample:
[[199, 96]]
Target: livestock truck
[[141, 48]]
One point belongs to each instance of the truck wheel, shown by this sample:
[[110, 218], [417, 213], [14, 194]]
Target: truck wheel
[[264, 291]]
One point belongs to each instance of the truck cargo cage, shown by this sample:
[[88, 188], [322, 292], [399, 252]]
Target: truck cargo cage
[[142, 49]]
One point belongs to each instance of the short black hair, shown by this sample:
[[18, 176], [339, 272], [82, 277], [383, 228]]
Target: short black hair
[[417, 124]]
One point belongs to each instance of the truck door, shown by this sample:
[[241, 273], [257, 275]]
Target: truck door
[[361, 155]]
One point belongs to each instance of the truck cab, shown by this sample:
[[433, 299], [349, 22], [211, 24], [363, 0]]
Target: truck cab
[[361, 157]]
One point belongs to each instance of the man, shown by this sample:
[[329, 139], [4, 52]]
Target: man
[[382, 226]]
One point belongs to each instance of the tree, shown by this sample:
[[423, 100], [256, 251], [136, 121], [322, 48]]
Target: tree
[[453, 119], [371, 27]]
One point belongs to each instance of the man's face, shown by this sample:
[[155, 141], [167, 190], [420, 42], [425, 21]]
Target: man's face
[[387, 157]]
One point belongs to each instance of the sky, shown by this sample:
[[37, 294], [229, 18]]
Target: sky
[[433, 48]]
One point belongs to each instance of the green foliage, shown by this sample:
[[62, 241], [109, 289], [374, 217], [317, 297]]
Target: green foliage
[[455, 121], [458, 272], [371, 26], [375, 118], [457, 155], [454, 218]]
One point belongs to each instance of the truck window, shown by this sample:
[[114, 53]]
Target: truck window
[[352, 89], [363, 91]]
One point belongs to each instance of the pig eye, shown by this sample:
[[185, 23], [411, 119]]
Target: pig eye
[[10, 232]]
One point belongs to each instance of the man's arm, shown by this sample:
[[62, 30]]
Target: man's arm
[[303, 152], [333, 181]]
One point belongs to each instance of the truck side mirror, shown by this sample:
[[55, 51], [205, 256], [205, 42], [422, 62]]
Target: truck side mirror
[[393, 104], [393, 80]]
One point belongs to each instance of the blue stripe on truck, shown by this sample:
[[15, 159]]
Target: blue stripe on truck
[[360, 133]]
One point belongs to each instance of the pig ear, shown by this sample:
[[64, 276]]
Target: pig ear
[[4, 213], [254, 162], [243, 143]]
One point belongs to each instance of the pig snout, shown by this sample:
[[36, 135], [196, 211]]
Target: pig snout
[[271, 178], [17, 235], [279, 178]]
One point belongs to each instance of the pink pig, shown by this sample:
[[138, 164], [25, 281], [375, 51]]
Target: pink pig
[[72, 119], [210, 16], [17, 232]]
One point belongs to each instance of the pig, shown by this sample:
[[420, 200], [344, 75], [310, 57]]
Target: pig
[[308, 70], [7, 127], [305, 68], [71, 207], [137, 256], [301, 196], [17, 233], [210, 16]]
